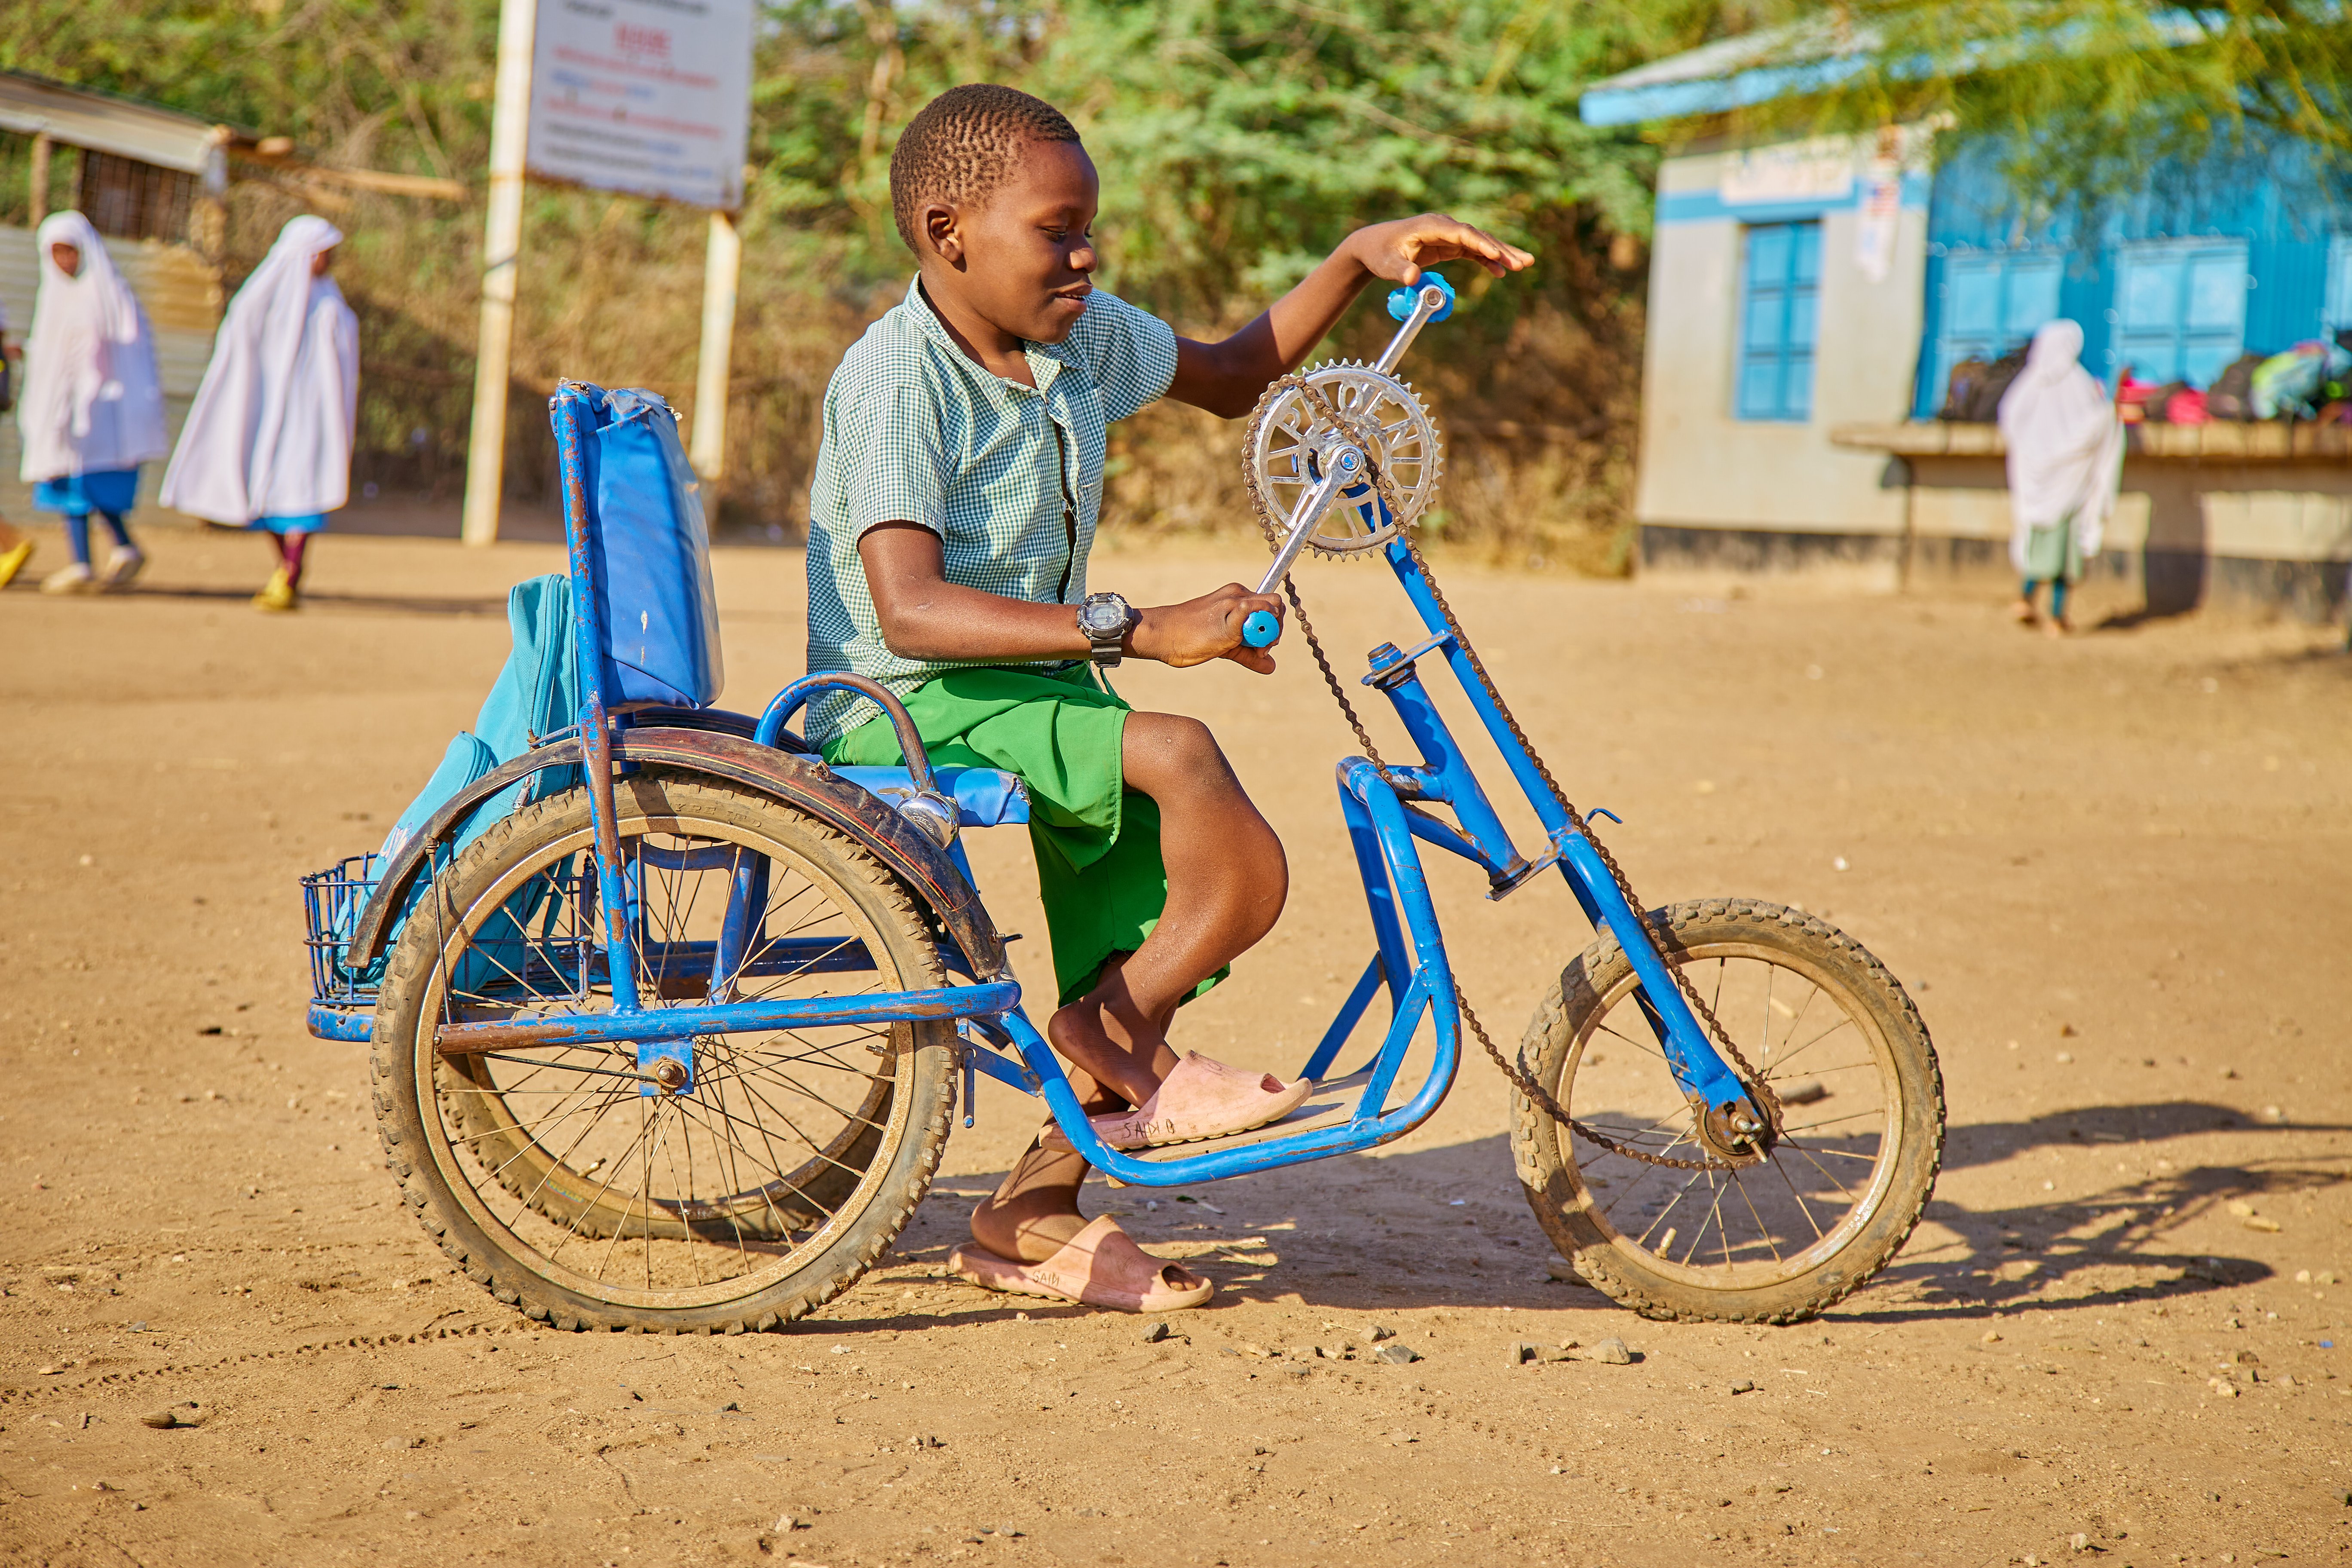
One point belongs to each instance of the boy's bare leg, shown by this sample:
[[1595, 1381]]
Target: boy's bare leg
[[1034, 1214], [1226, 882]]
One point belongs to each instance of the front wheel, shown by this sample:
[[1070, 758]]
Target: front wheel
[[1861, 1132]]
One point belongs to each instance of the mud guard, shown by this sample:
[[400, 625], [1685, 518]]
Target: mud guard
[[794, 779]]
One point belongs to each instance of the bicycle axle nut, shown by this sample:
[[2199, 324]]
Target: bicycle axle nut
[[669, 1074]]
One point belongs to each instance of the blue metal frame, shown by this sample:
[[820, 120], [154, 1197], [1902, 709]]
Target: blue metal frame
[[1384, 814], [1383, 820]]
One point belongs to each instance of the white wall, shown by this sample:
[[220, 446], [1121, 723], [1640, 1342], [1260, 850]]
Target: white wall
[[1701, 468]]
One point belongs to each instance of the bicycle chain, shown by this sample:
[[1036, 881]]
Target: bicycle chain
[[1516, 1072]]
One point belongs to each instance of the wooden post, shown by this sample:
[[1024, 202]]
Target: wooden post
[[40, 180], [502, 246], [721, 266]]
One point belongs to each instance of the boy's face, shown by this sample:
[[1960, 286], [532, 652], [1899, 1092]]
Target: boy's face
[[1024, 261]]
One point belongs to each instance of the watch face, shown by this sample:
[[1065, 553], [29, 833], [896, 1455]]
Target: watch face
[[1100, 617]]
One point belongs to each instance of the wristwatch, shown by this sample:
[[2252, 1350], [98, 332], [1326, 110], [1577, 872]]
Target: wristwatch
[[1105, 618]]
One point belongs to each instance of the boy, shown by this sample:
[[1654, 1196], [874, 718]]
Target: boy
[[954, 504]]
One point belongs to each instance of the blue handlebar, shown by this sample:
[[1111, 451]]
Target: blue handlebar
[[1401, 299], [1261, 630]]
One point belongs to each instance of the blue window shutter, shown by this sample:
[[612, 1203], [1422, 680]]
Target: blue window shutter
[[2182, 305], [2337, 312], [1778, 321], [1994, 301]]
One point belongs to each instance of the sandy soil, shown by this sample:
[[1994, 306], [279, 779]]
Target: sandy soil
[[2113, 872]]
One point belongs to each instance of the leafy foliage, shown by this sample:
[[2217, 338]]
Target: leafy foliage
[[1239, 140], [2090, 100]]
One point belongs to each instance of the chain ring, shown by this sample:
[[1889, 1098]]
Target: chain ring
[[1378, 412]]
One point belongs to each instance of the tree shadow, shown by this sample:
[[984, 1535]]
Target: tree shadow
[[1449, 1227]]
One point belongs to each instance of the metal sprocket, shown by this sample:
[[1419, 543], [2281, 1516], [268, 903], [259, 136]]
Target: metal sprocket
[[1288, 431]]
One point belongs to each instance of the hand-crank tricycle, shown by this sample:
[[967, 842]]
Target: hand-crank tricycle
[[674, 1045]]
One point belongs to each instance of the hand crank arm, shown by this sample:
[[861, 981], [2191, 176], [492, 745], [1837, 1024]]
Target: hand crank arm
[[1263, 629], [1432, 300]]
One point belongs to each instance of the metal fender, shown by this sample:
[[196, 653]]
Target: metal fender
[[794, 779]]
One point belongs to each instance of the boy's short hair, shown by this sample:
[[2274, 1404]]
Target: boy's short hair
[[963, 145]]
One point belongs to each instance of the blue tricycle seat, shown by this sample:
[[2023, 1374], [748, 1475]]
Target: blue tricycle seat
[[984, 798]]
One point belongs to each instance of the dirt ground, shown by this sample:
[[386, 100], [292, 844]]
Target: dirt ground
[[2113, 872]]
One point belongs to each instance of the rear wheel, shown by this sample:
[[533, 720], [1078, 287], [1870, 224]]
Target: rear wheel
[[1862, 1131], [553, 1176]]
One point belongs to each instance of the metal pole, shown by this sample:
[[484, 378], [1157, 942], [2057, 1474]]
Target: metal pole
[[502, 242], [721, 268]]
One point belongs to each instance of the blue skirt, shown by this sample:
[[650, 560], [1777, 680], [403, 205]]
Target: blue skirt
[[312, 523], [113, 490]]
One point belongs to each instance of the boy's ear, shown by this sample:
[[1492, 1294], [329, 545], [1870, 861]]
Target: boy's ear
[[942, 231]]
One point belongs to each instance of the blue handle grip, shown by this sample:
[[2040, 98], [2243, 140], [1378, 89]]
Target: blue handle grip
[[1401, 300], [1262, 629]]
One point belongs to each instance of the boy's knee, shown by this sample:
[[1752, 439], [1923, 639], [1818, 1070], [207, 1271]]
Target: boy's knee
[[1174, 749]]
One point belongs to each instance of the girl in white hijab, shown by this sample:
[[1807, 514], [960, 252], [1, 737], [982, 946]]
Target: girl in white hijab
[[267, 443], [2065, 462], [93, 407]]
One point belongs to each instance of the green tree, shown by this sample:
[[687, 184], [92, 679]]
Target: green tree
[[1238, 142], [2090, 100]]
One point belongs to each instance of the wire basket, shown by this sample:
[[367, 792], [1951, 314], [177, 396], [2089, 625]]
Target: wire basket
[[332, 900]]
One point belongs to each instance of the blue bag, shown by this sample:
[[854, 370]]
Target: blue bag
[[537, 693], [652, 546]]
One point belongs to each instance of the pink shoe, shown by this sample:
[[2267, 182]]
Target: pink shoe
[[1100, 1266], [1202, 1099]]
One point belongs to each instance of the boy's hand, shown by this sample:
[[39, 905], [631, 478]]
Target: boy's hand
[[1398, 251], [1199, 630]]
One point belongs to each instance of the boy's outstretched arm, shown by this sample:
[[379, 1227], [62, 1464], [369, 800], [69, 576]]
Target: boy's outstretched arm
[[925, 616], [1226, 378]]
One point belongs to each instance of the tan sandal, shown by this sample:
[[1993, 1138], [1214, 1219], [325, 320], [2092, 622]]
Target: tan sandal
[[1203, 1098], [1100, 1266]]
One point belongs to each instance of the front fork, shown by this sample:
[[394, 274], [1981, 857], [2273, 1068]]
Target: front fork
[[1730, 1124]]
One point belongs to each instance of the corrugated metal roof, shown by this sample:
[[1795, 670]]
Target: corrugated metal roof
[[31, 105], [1809, 57]]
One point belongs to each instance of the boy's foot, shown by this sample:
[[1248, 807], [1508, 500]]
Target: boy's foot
[[74, 579], [1203, 1098], [279, 595], [2022, 612], [12, 561], [122, 565], [2056, 627], [1100, 1266]]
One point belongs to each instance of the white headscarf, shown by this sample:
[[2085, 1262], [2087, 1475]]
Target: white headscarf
[[92, 402], [2065, 444], [269, 434]]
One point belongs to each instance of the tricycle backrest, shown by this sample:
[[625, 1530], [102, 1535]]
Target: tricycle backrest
[[635, 505]]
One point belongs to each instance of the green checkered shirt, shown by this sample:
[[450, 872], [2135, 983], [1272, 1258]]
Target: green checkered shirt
[[1009, 477]]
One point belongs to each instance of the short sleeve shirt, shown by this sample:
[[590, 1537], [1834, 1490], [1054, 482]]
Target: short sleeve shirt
[[1010, 476]]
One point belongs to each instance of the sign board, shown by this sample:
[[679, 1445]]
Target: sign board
[[1821, 170], [651, 97]]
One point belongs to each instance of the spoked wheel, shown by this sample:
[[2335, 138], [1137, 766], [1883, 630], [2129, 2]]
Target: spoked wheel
[[1861, 1137], [564, 1180]]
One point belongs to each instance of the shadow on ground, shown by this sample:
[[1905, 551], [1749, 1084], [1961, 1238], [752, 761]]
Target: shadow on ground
[[1440, 1227]]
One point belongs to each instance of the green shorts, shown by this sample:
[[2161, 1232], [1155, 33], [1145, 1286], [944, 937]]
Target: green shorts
[[1097, 842]]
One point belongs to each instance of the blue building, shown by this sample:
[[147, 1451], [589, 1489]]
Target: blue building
[[1809, 298]]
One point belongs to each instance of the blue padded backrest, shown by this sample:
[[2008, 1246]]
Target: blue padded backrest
[[652, 553]]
